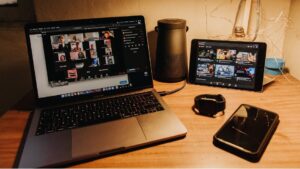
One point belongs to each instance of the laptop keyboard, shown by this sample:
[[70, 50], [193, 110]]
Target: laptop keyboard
[[95, 112]]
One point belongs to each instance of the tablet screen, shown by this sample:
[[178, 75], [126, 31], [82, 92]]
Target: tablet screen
[[228, 64]]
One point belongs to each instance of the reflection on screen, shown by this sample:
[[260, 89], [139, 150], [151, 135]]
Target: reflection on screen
[[247, 128]]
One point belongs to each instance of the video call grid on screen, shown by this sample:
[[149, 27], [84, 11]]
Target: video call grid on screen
[[81, 56], [95, 58], [46, 89], [226, 64]]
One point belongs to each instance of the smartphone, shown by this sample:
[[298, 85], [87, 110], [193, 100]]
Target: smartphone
[[247, 132]]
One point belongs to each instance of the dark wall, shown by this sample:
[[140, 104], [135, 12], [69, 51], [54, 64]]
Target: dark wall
[[14, 66], [23, 12]]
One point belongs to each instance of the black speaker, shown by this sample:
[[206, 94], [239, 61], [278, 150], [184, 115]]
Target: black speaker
[[171, 59]]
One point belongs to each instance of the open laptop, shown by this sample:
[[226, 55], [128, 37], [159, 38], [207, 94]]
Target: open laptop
[[93, 85]]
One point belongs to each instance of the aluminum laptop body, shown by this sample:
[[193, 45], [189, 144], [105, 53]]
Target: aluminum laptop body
[[79, 61]]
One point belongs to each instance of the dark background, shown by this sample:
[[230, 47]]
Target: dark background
[[15, 79]]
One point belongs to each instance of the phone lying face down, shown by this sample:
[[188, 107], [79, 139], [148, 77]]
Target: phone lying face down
[[247, 132]]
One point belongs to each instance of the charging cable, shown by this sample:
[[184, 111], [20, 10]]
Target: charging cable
[[164, 93]]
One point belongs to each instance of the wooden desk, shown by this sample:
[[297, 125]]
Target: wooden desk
[[196, 150]]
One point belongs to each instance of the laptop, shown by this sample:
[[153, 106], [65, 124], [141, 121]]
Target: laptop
[[93, 85]]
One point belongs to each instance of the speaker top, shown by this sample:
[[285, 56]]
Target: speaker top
[[171, 23]]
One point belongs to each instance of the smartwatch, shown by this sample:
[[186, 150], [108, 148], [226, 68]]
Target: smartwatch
[[209, 105]]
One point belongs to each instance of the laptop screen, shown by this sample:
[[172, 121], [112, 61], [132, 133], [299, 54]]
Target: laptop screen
[[86, 57]]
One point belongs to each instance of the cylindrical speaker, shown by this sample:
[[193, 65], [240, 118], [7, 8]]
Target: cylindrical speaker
[[171, 62]]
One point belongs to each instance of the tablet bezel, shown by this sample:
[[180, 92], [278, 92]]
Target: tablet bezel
[[260, 63]]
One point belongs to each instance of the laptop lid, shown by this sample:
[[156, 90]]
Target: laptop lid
[[88, 58]]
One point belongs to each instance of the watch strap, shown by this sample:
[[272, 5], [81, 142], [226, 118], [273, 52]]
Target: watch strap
[[209, 105]]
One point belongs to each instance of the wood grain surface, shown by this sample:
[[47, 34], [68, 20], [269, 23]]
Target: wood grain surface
[[196, 149]]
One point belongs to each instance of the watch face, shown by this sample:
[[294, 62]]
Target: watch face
[[207, 106]]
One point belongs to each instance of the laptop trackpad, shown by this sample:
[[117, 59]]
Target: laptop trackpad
[[95, 139]]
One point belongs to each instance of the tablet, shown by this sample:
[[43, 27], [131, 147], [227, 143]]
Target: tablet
[[230, 64]]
